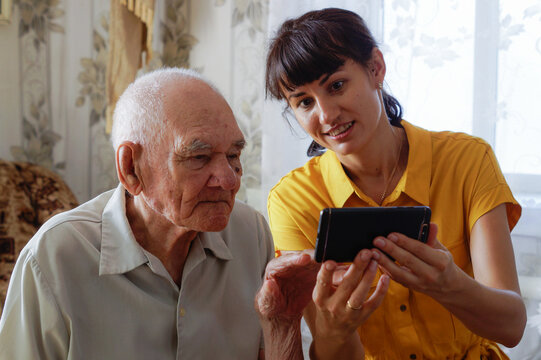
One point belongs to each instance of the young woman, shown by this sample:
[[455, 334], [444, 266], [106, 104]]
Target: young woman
[[454, 297]]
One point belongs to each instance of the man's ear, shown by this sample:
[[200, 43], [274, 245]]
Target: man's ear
[[127, 158], [377, 65]]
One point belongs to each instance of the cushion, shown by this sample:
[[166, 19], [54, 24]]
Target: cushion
[[29, 195]]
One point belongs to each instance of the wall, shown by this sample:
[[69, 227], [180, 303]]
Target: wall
[[52, 108], [10, 125]]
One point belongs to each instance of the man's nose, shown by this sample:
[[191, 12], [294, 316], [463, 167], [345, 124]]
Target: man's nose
[[224, 175], [328, 110]]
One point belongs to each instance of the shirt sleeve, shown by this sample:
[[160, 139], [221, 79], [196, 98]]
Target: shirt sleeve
[[31, 326], [490, 190], [286, 230]]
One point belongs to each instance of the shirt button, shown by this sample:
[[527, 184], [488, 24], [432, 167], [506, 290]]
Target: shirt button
[[413, 356], [403, 307], [182, 312]]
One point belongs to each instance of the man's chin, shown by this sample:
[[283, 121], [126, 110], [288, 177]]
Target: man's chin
[[214, 223]]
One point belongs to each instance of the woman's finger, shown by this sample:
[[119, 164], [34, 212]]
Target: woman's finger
[[324, 287], [353, 277], [395, 271], [358, 296], [410, 253], [375, 300]]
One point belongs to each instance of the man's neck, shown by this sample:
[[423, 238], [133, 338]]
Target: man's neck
[[160, 237]]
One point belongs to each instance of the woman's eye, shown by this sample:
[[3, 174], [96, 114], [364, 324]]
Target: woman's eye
[[305, 102], [337, 85]]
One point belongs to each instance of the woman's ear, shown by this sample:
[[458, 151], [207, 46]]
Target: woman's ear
[[127, 157], [377, 66]]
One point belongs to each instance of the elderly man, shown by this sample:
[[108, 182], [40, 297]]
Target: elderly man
[[164, 267]]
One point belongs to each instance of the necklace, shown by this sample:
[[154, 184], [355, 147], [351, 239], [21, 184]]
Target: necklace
[[392, 173]]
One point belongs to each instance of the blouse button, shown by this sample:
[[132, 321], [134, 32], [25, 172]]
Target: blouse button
[[182, 312], [403, 307]]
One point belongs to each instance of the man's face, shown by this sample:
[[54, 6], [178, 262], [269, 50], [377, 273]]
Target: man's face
[[193, 176]]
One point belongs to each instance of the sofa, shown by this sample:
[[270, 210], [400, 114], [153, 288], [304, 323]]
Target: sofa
[[29, 195]]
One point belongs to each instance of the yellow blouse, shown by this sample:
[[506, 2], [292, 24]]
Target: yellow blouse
[[458, 176]]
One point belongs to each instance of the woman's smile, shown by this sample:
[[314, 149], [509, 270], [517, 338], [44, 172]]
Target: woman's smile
[[340, 131]]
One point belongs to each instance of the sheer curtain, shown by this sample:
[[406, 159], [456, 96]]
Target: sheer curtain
[[470, 66]]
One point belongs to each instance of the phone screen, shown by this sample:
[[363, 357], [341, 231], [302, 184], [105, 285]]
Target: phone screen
[[343, 232]]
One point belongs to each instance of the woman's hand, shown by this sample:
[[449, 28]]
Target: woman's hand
[[427, 268], [340, 308]]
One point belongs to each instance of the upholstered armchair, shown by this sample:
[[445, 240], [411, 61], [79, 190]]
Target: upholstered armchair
[[29, 195]]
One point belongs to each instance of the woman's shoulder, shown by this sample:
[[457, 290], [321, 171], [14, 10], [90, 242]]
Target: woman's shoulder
[[303, 176], [444, 139], [449, 143]]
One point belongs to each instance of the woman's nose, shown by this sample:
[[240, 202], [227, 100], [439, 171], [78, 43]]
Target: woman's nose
[[328, 110]]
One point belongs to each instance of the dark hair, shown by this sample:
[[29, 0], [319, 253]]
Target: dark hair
[[318, 43]]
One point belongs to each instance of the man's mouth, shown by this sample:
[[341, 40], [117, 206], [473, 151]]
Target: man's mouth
[[340, 129]]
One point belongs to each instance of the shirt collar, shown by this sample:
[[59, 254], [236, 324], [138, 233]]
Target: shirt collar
[[419, 169], [416, 179], [216, 244], [120, 252], [336, 180]]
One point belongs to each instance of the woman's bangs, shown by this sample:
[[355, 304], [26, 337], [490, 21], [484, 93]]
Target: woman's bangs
[[303, 67]]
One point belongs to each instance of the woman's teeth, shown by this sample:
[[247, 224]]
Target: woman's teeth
[[340, 129]]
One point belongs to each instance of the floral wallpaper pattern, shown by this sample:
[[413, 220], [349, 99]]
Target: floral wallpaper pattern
[[35, 25], [176, 42], [40, 18], [249, 31]]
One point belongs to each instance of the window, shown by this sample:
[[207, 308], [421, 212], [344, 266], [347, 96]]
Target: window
[[473, 67]]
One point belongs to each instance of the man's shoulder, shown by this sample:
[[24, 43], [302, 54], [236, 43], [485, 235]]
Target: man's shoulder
[[243, 214], [62, 227]]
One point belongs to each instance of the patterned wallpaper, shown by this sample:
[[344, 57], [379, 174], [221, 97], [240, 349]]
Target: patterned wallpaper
[[40, 20]]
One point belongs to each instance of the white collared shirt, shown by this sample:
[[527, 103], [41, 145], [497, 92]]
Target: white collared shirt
[[83, 288]]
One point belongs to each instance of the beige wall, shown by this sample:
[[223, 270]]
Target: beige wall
[[10, 124]]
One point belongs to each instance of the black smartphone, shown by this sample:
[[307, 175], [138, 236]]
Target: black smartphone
[[343, 232]]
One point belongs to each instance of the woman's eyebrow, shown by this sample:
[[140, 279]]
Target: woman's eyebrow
[[295, 95], [325, 78]]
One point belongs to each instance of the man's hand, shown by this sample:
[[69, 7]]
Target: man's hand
[[286, 290], [287, 287]]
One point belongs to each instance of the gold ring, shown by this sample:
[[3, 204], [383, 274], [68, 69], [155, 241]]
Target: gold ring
[[348, 304]]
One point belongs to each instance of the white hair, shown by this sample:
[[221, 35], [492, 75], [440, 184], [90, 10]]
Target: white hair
[[139, 114]]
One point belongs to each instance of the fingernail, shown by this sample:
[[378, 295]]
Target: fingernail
[[379, 242], [375, 255], [392, 237], [373, 265], [329, 266], [365, 256]]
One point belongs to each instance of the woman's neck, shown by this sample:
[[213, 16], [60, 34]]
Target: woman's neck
[[378, 166]]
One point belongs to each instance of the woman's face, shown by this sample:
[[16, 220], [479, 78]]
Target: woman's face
[[341, 111]]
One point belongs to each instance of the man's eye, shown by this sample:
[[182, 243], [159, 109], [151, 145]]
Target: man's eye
[[196, 161], [234, 159]]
